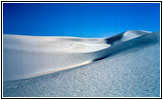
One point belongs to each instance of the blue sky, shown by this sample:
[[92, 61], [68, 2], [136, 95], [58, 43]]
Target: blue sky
[[79, 19]]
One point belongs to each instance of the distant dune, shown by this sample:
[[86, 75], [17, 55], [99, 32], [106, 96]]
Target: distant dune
[[30, 56]]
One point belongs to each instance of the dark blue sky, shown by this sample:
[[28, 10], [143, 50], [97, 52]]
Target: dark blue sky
[[79, 19]]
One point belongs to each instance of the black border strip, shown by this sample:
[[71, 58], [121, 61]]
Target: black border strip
[[81, 1], [1, 50], [83, 97]]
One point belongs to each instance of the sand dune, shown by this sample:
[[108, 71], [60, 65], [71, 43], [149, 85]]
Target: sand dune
[[30, 56]]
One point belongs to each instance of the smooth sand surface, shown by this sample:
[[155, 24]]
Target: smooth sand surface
[[133, 71]]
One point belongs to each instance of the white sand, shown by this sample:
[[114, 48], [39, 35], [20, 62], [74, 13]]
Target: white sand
[[30, 56]]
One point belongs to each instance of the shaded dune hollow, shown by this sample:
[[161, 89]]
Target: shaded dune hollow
[[31, 56]]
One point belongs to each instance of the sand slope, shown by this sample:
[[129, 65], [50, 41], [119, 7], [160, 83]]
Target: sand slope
[[30, 56], [133, 71]]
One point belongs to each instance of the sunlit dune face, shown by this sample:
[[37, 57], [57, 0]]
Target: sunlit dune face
[[55, 44]]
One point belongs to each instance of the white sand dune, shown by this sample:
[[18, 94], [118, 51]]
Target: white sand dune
[[30, 56], [131, 70]]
